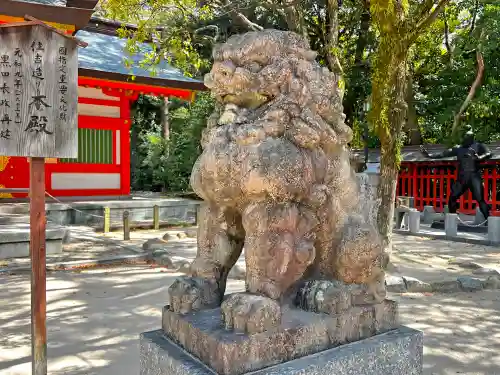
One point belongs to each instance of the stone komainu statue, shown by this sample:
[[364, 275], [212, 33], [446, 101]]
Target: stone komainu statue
[[276, 180]]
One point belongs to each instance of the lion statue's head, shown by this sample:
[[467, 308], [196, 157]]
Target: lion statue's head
[[274, 66]]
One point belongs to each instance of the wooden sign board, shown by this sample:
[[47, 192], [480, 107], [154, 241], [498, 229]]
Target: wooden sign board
[[38, 92]]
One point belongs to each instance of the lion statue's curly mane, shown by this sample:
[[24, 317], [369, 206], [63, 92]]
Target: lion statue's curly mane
[[276, 180]]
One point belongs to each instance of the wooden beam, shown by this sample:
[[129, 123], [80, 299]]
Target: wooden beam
[[38, 270]]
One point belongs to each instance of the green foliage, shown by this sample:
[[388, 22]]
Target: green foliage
[[165, 165], [443, 82], [370, 49]]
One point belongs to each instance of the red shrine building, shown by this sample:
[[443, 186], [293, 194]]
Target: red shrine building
[[106, 90], [429, 182]]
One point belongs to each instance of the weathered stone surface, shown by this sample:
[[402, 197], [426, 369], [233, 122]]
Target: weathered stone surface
[[470, 284], [447, 286], [159, 252], [164, 260], [493, 282], [335, 297], [153, 244], [300, 333], [192, 294], [275, 172], [487, 271], [170, 237], [275, 177], [465, 264], [416, 286], [398, 352], [182, 235], [15, 240], [248, 313], [395, 284]]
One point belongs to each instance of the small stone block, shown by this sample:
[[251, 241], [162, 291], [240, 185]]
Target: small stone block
[[470, 284], [414, 221], [429, 214], [494, 229], [416, 286], [493, 282], [450, 225], [448, 286], [301, 333], [395, 284], [397, 352], [487, 272]]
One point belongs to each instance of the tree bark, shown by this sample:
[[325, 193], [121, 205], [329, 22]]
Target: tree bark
[[395, 112], [333, 36], [414, 134], [165, 124], [355, 88]]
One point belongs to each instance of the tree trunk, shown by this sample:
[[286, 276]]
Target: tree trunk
[[355, 86], [414, 134], [165, 125], [389, 166], [332, 51]]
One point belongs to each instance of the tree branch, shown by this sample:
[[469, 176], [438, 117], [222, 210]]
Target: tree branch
[[474, 17], [447, 37], [426, 21], [332, 43], [472, 91], [251, 25]]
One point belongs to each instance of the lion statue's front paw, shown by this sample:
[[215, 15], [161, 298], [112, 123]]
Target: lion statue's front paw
[[193, 293], [250, 313]]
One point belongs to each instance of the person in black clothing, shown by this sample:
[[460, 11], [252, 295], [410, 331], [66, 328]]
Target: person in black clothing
[[469, 155]]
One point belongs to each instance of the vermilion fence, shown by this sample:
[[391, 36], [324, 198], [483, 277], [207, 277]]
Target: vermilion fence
[[430, 184]]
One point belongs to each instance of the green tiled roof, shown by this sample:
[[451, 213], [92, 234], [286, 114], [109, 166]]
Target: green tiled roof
[[107, 53], [61, 3]]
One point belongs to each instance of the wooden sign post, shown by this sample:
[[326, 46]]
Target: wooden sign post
[[38, 119]]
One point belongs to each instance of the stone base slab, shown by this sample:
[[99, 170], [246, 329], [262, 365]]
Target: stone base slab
[[15, 240], [397, 352], [301, 333]]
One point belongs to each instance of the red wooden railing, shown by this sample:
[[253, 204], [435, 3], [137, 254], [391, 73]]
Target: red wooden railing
[[430, 184]]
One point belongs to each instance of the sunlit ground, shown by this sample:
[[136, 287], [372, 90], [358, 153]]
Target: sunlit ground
[[95, 317]]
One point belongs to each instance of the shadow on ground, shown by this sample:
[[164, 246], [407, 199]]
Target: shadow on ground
[[461, 331], [434, 260], [95, 317]]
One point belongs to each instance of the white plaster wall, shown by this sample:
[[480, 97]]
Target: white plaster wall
[[90, 92], [98, 110], [85, 181]]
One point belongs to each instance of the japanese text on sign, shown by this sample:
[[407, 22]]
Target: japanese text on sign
[[38, 93]]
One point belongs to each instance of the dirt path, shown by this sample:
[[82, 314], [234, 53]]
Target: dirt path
[[95, 317], [430, 260]]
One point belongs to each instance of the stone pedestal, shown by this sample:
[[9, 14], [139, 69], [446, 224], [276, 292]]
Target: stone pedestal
[[450, 224], [414, 221], [364, 339], [494, 229], [398, 352]]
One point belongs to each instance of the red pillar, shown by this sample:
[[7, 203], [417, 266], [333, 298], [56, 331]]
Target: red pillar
[[125, 146]]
